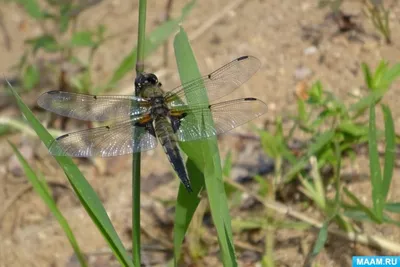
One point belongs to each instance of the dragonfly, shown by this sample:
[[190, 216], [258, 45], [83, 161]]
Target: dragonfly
[[139, 122]]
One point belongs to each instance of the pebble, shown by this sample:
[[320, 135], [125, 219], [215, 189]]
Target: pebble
[[302, 72], [310, 50]]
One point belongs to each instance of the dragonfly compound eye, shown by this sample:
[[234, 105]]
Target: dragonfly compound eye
[[152, 79]]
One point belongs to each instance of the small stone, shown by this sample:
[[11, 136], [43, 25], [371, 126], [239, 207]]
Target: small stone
[[310, 50], [302, 72], [272, 106]]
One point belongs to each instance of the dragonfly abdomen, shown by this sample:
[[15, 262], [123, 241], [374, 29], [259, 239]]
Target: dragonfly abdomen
[[169, 142]]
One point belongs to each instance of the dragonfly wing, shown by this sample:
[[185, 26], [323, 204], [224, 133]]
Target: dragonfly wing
[[93, 108], [228, 115], [218, 83], [106, 141]]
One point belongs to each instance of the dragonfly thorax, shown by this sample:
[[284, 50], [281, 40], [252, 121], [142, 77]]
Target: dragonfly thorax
[[159, 106]]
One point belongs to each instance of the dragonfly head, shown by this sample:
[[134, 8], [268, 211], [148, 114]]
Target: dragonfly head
[[144, 80]]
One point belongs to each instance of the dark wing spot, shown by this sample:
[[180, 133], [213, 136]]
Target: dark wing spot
[[53, 92], [209, 76], [108, 127], [243, 57], [95, 97], [62, 136], [250, 99], [209, 106]]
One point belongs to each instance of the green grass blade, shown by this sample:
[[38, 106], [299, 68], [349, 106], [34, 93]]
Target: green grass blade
[[319, 242], [367, 75], [360, 206], [393, 207], [82, 188], [390, 155], [362, 104], [154, 40], [205, 156], [42, 190], [375, 168], [136, 157], [390, 75]]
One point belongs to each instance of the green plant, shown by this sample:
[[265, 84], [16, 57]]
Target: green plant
[[65, 40], [375, 11], [380, 182], [204, 170], [335, 130], [87, 196], [40, 186], [379, 16]]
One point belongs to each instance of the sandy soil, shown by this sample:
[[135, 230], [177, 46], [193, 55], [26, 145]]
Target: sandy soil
[[279, 33]]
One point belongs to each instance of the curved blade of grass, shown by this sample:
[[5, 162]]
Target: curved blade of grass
[[82, 188], [205, 156], [390, 153], [154, 40], [374, 165], [42, 190]]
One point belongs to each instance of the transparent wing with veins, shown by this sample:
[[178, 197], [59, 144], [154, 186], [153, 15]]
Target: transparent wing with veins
[[121, 138], [93, 108], [194, 121], [218, 83]]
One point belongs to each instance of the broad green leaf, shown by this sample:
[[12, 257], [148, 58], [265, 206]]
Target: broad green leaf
[[84, 38], [374, 165], [82, 188], [366, 101], [321, 239], [389, 76], [30, 77], [270, 144], [65, 17], [379, 72], [315, 94], [390, 153], [301, 110], [320, 141], [154, 40], [45, 42], [41, 189], [353, 128], [32, 8], [205, 156]]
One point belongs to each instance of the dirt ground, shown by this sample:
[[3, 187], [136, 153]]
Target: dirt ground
[[294, 41]]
